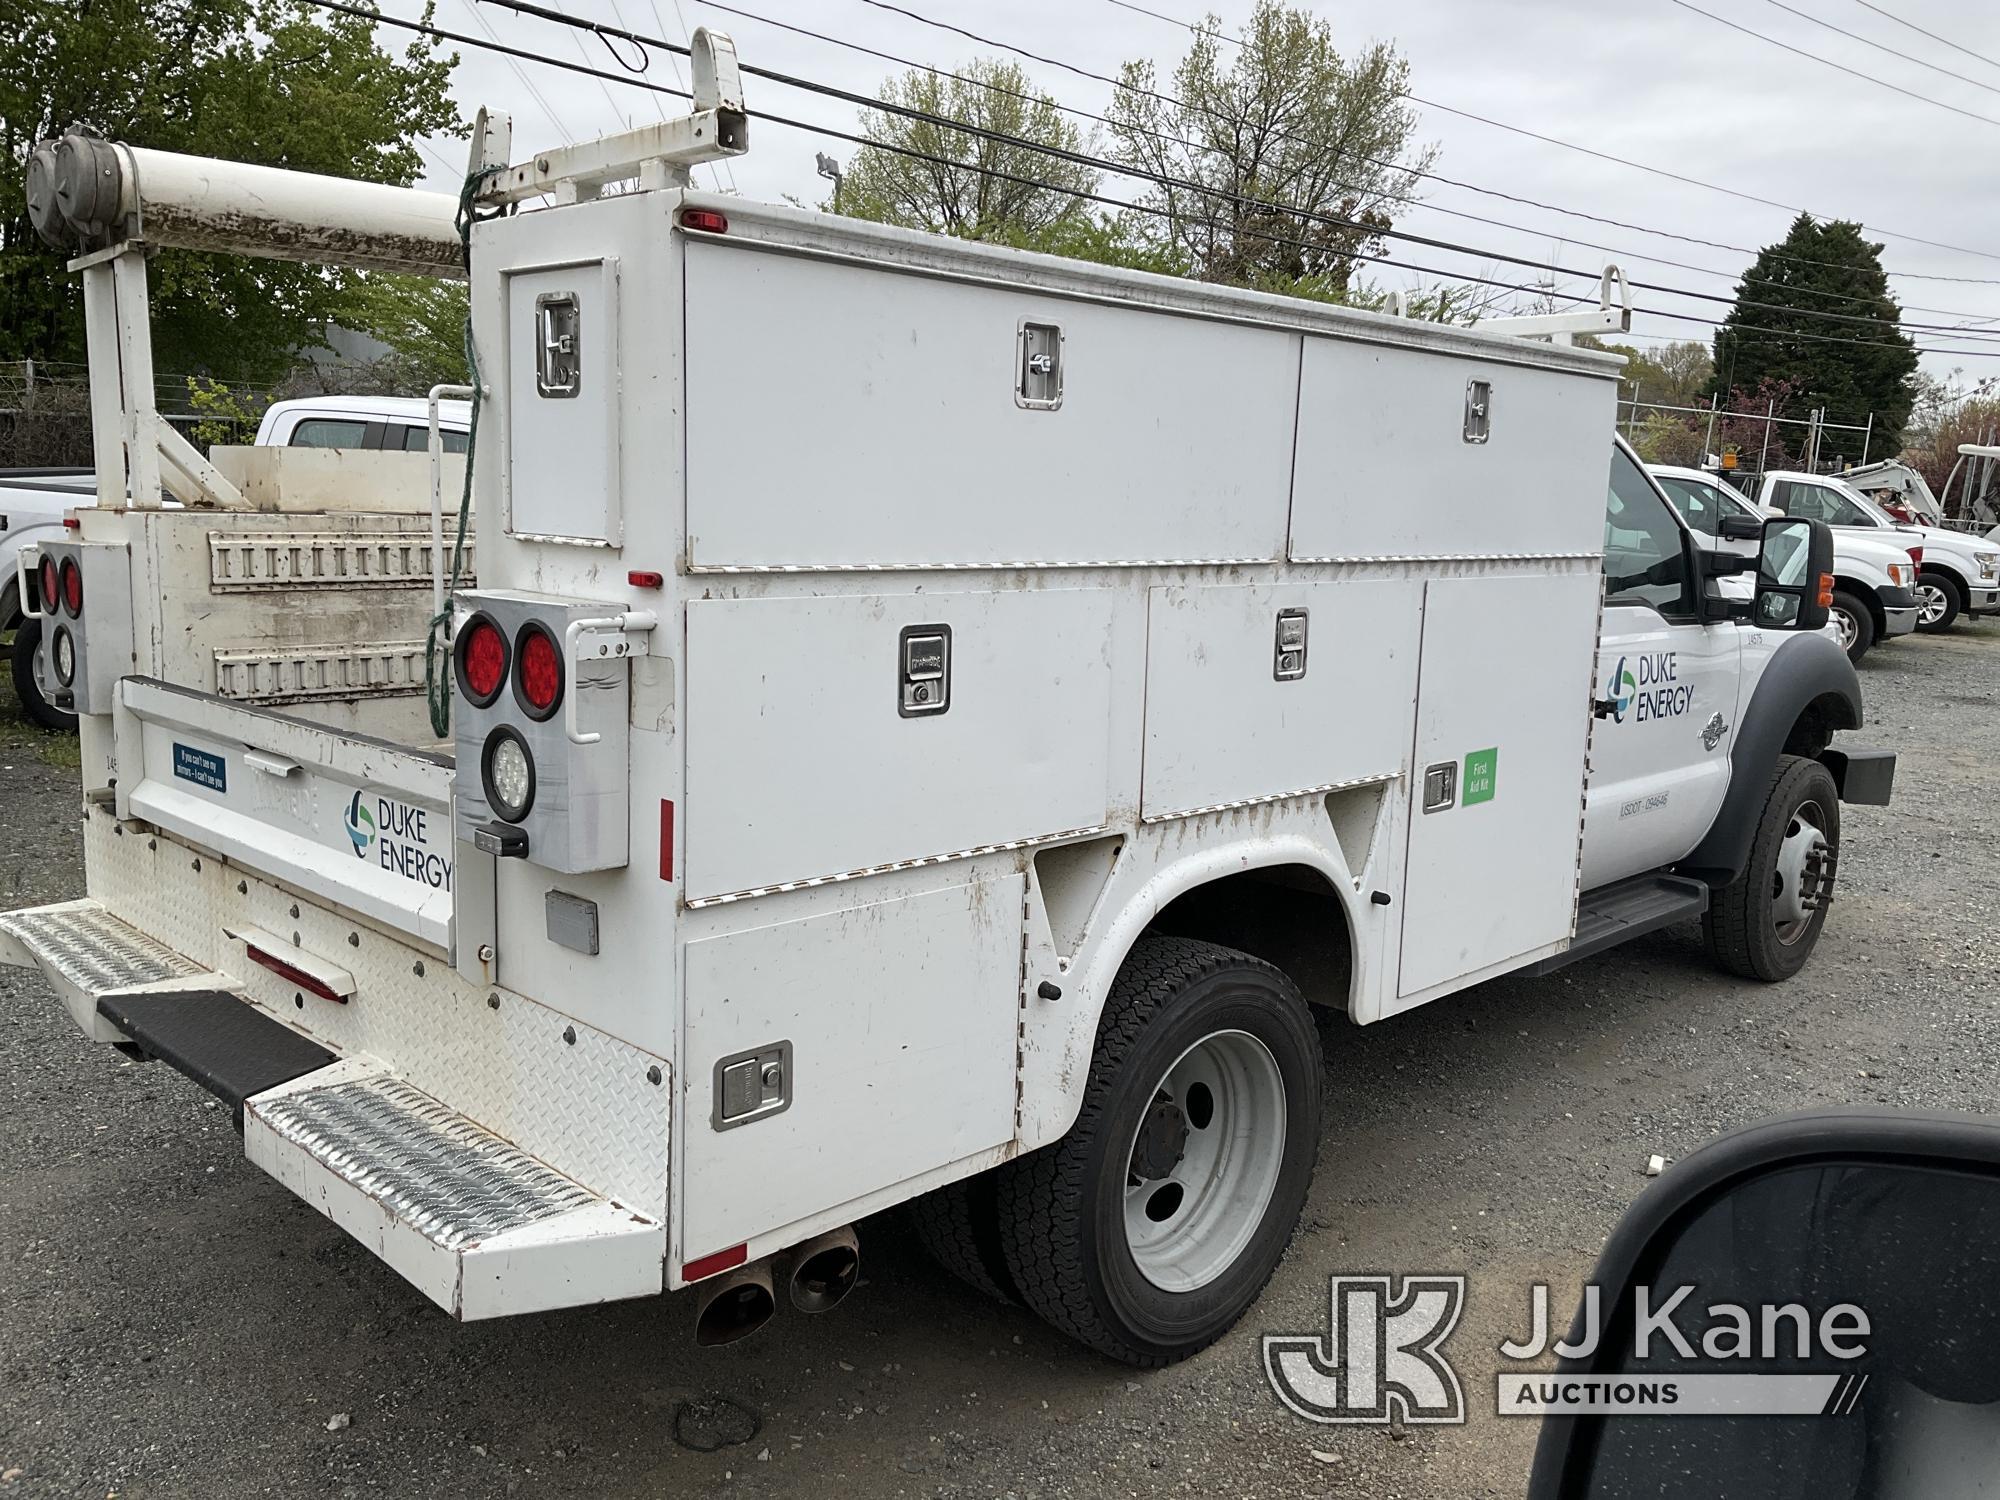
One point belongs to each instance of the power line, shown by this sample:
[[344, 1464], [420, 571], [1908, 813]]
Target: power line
[[1855, 36], [1106, 200], [1827, 62], [527, 83], [1405, 199], [1943, 41], [1637, 166]]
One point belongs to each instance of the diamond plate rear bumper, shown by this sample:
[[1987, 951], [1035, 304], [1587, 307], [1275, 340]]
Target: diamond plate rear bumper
[[471, 1219]]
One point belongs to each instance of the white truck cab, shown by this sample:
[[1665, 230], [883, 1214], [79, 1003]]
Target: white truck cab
[[1874, 597], [398, 423], [1960, 573], [973, 826]]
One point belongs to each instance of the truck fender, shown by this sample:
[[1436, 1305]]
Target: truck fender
[[1058, 1040], [1807, 674]]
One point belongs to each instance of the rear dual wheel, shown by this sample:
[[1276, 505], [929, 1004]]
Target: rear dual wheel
[[1150, 1228]]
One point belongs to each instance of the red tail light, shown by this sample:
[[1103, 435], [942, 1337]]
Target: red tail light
[[72, 587], [705, 219], [482, 661], [538, 671], [51, 595], [1917, 556]]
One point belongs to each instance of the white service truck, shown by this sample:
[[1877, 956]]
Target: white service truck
[[1959, 574], [934, 722], [1874, 583]]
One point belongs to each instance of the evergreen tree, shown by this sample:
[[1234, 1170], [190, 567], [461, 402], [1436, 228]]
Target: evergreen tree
[[1821, 268]]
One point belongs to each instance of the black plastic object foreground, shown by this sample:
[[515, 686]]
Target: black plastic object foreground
[[218, 1039]]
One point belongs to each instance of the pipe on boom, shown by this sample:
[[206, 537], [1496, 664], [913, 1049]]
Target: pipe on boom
[[86, 193]]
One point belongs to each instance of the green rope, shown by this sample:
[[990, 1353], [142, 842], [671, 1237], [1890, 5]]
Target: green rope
[[437, 639]]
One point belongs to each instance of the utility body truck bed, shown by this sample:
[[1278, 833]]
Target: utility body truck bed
[[917, 694]]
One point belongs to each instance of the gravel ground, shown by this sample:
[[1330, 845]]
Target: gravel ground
[[172, 1322]]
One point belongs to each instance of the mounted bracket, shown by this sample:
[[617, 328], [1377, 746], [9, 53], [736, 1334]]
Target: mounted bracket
[[1613, 314], [657, 155], [603, 638]]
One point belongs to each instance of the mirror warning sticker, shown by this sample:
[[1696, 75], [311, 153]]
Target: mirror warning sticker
[[1477, 783]]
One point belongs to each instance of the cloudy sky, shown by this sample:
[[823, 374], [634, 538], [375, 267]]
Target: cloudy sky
[[1652, 81]]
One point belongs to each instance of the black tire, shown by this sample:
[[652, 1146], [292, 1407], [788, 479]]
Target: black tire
[[26, 686], [1062, 1209], [1951, 601], [959, 1225], [1860, 624], [1743, 933]]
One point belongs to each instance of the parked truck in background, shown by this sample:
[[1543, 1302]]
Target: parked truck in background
[[974, 826], [33, 503], [1959, 574], [1874, 582]]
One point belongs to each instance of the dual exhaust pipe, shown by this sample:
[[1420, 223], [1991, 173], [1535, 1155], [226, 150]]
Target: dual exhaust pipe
[[820, 1273]]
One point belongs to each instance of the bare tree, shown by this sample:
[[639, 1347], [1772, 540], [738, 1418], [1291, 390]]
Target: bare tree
[[1288, 122]]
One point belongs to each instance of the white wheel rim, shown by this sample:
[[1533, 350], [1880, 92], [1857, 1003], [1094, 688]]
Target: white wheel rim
[[1190, 1212], [1802, 882], [1844, 627], [1930, 604]]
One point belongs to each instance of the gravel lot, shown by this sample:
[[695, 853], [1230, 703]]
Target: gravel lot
[[172, 1322]]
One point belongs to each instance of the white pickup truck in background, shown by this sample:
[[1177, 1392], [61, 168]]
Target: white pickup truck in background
[[1874, 594], [33, 502], [1960, 573]]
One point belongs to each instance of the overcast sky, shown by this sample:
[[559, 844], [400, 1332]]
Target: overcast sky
[[1648, 80]]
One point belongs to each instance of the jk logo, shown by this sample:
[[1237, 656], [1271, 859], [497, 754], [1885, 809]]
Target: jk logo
[[1380, 1359]]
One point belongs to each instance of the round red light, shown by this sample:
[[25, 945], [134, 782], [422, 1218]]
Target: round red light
[[50, 597], [541, 675], [72, 586], [482, 661]]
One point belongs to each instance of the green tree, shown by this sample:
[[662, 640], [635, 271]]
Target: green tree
[[267, 81], [1849, 368], [1289, 121], [965, 184]]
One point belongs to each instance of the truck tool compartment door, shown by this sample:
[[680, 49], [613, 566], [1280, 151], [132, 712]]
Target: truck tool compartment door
[[1496, 783]]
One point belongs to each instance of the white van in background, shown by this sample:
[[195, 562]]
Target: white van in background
[[1874, 596]]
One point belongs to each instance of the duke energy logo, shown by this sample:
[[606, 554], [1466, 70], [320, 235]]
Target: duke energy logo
[[360, 826], [396, 836], [1620, 689], [1648, 687]]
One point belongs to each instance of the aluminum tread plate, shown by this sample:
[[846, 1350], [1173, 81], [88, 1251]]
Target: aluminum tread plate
[[450, 1180], [216, 1038], [93, 950]]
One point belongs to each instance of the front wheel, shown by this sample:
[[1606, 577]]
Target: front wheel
[[1150, 1228], [1763, 924], [1856, 626], [1938, 602]]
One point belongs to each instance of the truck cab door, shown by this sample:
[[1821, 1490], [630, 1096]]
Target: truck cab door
[[1664, 695]]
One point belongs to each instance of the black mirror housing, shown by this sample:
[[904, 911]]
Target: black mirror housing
[[1890, 1217], [1794, 574], [1737, 527]]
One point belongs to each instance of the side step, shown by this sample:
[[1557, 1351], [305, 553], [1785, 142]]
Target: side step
[[85, 953], [217, 1038], [1631, 908]]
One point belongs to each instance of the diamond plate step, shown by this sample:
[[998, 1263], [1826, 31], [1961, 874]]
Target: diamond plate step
[[470, 1219], [86, 953]]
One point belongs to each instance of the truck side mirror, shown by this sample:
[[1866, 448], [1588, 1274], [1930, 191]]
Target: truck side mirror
[[1735, 526], [1840, 1335], [1794, 574]]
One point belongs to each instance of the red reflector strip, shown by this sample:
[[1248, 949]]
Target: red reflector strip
[[71, 523], [666, 840], [646, 578], [292, 974], [709, 1265]]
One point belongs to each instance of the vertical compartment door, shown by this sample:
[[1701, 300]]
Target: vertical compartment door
[[1496, 782]]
